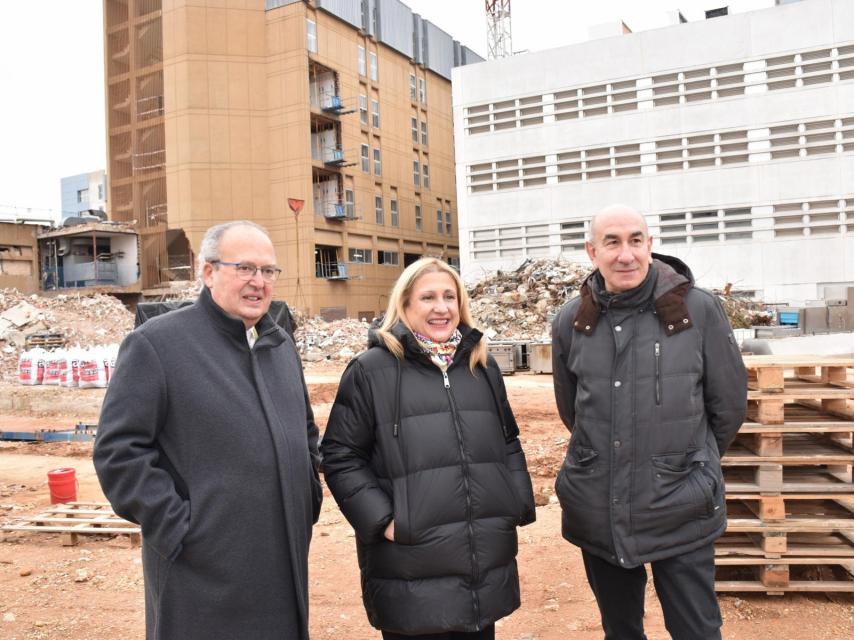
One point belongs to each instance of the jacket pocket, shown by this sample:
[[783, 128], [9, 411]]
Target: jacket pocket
[[518, 509], [400, 506], [680, 483]]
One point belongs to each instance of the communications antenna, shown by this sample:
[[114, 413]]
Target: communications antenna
[[498, 34]]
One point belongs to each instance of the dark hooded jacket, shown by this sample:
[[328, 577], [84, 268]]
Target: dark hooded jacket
[[441, 455], [653, 388], [212, 448]]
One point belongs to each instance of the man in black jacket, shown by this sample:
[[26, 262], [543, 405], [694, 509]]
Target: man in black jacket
[[649, 380], [207, 440]]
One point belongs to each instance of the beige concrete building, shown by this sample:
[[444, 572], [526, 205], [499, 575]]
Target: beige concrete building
[[224, 109]]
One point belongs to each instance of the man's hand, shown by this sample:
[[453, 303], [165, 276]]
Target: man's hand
[[389, 532]]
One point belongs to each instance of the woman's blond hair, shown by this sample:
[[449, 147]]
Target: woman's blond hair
[[396, 310]]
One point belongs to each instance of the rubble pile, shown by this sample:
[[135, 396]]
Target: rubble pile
[[340, 340], [85, 320], [744, 313], [519, 305]]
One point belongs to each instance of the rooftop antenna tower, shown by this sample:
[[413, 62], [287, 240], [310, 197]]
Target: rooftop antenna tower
[[498, 34]]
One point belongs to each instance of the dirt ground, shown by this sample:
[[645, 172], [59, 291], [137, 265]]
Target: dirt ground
[[94, 591]]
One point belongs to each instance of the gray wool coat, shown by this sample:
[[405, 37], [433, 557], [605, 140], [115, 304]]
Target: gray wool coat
[[653, 388], [212, 448]]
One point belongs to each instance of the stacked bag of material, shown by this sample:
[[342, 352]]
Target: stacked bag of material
[[75, 367]]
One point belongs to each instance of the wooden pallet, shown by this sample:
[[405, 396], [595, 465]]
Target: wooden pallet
[[768, 373], [773, 506], [776, 577], [810, 517], [776, 478], [73, 519]]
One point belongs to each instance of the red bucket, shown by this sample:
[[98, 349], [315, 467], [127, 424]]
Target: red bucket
[[63, 485]]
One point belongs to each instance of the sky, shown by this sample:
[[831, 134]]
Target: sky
[[52, 75]]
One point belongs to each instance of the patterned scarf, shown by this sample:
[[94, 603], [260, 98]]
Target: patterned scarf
[[441, 353]]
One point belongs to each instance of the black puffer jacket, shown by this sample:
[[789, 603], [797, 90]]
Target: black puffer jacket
[[440, 454], [653, 388]]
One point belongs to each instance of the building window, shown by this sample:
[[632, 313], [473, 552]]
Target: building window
[[83, 195], [311, 35], [395, 220], [422, 90], [378, 210], [366, 160], [448, 221], [439, 221], [414, 122], [362, 256], [375, 114], [390, 258], [374, 74], [378, 163], [363, 109], [418, 217], [349, 203], [425, 170], [424, 133], [416, 172], [362, 66], [100, 192], [413, 91]]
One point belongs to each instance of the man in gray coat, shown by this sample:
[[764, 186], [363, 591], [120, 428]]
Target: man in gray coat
[[207, 440], [649, 380]]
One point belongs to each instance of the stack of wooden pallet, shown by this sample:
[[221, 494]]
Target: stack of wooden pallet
[[790, 491]]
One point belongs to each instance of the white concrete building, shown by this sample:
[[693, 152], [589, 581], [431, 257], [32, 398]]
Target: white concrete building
[[734, 135]]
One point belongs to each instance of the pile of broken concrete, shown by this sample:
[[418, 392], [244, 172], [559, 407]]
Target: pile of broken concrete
[[520, 304], [84, 320]]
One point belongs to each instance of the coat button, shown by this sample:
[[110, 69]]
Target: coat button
[[618, 328], [617, 444], [616, 501], [657, 475], [684, 320], [670, 327], [575, 324], [587, 328], [617, 383]]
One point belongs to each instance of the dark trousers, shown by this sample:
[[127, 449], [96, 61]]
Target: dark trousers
[[485, 634], [685, 586]]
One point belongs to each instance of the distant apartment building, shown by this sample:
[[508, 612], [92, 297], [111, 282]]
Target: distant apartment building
[[733, 135], [84, 192], [327, 121]]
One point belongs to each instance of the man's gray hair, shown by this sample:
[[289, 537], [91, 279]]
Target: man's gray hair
[[209, 249]]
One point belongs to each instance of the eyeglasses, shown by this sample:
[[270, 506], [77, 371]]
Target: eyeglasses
[[247, 270]]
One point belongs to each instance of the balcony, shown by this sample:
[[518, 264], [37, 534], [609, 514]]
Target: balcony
[[333, 104], [331, 270]]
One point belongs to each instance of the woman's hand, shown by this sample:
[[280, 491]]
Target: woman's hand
[[389, 532]]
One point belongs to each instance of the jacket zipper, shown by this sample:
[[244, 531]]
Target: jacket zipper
[[467, 486], [657, 373]]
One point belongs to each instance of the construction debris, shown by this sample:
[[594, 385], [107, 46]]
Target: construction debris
[[87, 320], [513, 305], [338, 340], [520, 304]]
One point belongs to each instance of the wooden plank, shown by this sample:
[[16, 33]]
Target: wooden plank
[[792, 361], [768, 379], [766, 411], [116, 521], [800, 391], [774, 576], [811, 586], [78, 529]]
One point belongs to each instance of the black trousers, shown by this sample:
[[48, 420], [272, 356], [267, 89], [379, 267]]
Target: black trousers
[[685, 586], [485, 634]]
